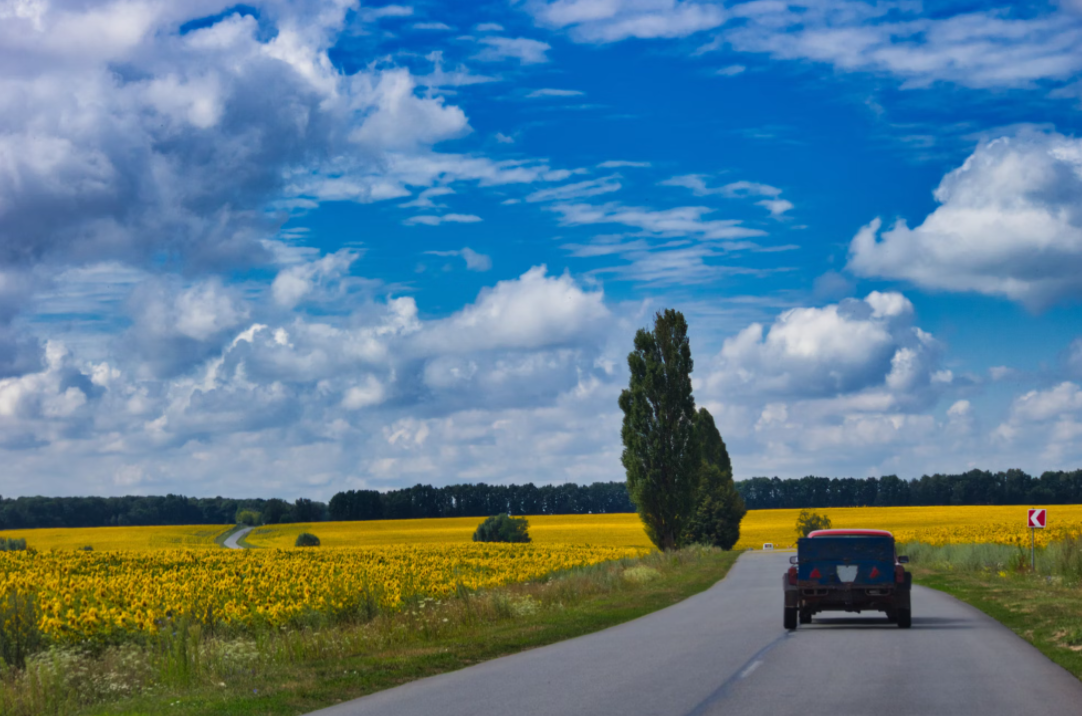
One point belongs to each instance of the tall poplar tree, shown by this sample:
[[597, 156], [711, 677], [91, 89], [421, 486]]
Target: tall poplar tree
[[661, 454], [719, 508]]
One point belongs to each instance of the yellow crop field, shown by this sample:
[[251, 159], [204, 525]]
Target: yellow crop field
[[125, 538], [933, 525], [92, 595], [618, 530], [1005, 524]]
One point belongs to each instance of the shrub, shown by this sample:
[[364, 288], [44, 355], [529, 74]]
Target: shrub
[[503, 528], [306, 539], [12, 544], [19, 632], [808, 521]]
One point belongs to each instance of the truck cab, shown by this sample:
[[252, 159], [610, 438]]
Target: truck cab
[[847, 571]]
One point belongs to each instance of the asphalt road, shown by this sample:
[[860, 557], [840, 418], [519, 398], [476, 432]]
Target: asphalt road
[[231, 540], [725, 652]]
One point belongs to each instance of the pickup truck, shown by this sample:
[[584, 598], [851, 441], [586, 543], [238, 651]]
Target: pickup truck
[[847, 571]]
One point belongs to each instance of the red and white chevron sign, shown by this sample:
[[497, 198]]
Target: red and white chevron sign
[[1038, 518]]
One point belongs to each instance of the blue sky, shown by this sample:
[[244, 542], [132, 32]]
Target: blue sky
[[289, 248]]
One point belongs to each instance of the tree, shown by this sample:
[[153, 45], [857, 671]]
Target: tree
[[808, 521], [276, 511], [719, 508], [249, 517], [661, 455]]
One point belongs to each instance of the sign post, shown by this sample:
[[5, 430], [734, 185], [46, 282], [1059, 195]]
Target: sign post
[[1037, 519]]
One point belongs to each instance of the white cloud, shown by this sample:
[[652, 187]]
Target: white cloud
[[362, 396], [489, 27], [424, 199], [730, 70], [523, 49], [554, 93], [1008, 224], [295, 283], [616, 164], [602, 21], [432, 220], [430, 26], [776, 207], [840, 349], [533, 311], [474, 261], [680, 221], [986, 48], [401, 120], [737, 189], [578, 190]]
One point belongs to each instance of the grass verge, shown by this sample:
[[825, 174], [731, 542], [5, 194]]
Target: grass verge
[[1045, 611], [300, 670], [220, 539]]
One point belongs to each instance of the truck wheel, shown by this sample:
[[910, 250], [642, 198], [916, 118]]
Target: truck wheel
[[805, 617], [790, 618], [905, 618], [892, 617]]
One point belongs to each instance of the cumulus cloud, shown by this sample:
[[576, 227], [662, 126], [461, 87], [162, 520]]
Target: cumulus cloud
[[839, 349], [175, 326], [1008, 224], [294, 283], [533, 311], [1046, 423]]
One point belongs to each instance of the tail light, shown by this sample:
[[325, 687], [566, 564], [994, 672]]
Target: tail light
[[792, 575], [899, 574]]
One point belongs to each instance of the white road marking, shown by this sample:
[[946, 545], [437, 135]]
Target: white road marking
[[751, 667]]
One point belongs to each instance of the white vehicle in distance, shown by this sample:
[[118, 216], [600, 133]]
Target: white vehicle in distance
[[768, 545]]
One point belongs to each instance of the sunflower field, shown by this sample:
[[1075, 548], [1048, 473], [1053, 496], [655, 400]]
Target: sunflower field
[[108, 596]]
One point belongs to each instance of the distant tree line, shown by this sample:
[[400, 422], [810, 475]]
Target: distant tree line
[[34, 512], [976, 487], [481, 500]]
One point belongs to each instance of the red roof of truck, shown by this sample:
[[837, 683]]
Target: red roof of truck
[[850, 533]]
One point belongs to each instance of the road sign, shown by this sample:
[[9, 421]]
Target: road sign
[[1038, 518]]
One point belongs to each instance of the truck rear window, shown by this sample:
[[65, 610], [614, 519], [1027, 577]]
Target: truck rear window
[[877, 549]]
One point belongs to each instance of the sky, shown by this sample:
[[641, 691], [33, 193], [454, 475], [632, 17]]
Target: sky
[[292, 248]]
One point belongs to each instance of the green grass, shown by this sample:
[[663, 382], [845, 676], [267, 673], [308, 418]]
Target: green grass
[[220, 539], [300, 670], [1043, 607]]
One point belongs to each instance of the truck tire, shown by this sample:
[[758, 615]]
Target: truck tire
[[790, 618], [905, 618]]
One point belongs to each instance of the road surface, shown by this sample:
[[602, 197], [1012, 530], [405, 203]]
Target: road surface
[[724, 652], [231, 540]]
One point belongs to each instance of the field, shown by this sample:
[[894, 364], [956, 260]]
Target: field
[[619, 530], [931, 525], [122, 538], [105, 596]]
